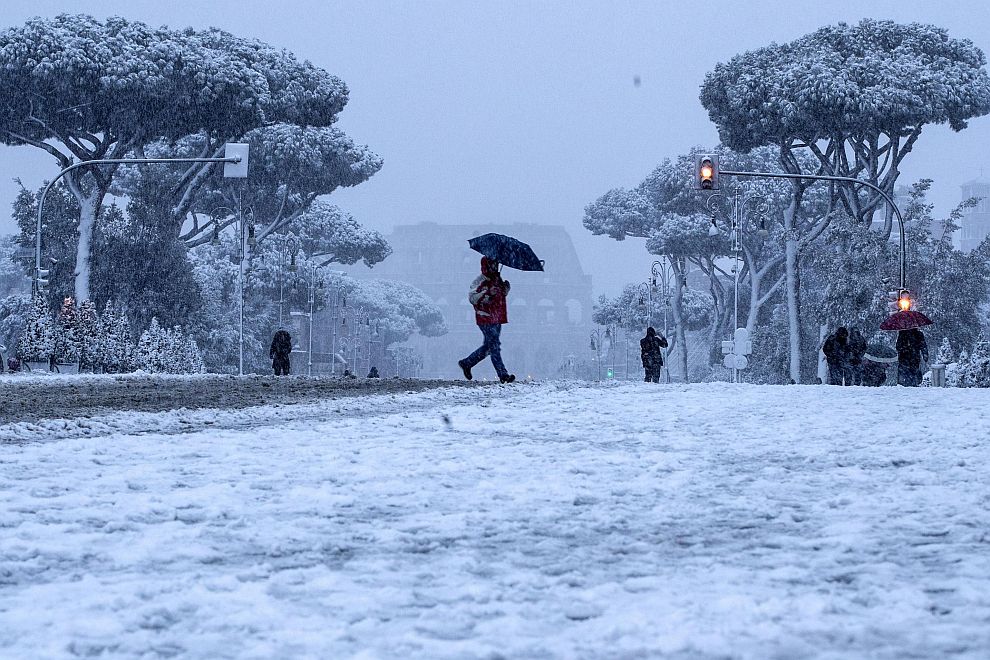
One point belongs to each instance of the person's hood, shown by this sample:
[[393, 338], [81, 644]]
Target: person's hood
[[650, 332]]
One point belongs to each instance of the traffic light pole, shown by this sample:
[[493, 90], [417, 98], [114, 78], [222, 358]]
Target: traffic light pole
[[105, 161], [845, 179]]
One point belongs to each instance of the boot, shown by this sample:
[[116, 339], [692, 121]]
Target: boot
[[465, 369]]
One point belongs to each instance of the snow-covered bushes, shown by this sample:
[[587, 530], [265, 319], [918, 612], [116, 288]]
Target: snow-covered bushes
[[970, 369], [164, 351], [116, 346], [37, 343]]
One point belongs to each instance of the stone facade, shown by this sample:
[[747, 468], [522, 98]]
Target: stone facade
[[549, 312]]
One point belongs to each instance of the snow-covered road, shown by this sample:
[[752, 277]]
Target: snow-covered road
[[702, 521]]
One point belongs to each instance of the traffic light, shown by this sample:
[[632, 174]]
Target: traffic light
[[706, 170], [904, 301], [899, 301], [610, 373], [41, 277], [893, 300]]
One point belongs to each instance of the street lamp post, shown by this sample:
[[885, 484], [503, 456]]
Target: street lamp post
[[314, 284], [337, 301], [662, 271], [245, 243], [737, 227], [646, 299], [597, 337], [288, 247]]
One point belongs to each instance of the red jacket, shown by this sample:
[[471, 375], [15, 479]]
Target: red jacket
[[487, 295]]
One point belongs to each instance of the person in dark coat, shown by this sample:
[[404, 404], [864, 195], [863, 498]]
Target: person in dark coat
[[373, 373], [487, 295], [836, 350], [279, 352], [651, 350], [857, 349], [911, 350]]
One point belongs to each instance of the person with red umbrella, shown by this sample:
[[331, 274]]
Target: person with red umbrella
[[911, 344]]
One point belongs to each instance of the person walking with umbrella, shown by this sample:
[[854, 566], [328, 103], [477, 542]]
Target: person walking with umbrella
[[911, 345], [487, 296]]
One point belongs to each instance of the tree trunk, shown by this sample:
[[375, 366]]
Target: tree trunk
[[793, 306], [89, 209], [679, 318]]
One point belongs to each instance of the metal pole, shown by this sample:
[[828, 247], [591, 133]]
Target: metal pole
[[104, 161], [649, 311], [333, 333], [281, 295], [240, 289], [312, 302], [845, 179], [737, 230]]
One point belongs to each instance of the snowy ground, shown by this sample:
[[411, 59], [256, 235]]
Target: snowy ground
[[534, 521]]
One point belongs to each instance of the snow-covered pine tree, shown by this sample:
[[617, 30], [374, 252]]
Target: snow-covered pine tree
[[175, 351], [116, 348], [37, 343], [89, 337], [67, 332], [945, 353], [151, 351], [978, 365], [123, 341], [956, 375], [192, 358]]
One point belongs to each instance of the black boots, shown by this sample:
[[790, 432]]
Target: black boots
[[466, 369]]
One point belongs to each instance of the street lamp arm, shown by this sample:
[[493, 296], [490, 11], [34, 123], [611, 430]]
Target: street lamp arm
[[844, 179], [107, 161]]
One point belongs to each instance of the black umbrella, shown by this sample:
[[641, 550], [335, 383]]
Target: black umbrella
[[507, 251]]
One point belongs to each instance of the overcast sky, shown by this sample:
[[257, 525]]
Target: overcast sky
[[526, 111]]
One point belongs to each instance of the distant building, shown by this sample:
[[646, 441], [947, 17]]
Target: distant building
[[975, 224], [549, 312]]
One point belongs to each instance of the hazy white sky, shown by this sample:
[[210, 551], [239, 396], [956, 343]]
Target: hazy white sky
[[527, 111]]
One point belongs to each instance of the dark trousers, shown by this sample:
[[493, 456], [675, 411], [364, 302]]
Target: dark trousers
[[491, 347], [839, 374], [856, 372], [652, 373], [281, 365], [908, 375]]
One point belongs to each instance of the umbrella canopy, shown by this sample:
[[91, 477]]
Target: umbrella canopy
[[880, 353], [507, 251], [905, 320]]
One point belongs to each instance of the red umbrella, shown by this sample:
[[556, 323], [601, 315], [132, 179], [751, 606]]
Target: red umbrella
[[905, 320]]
